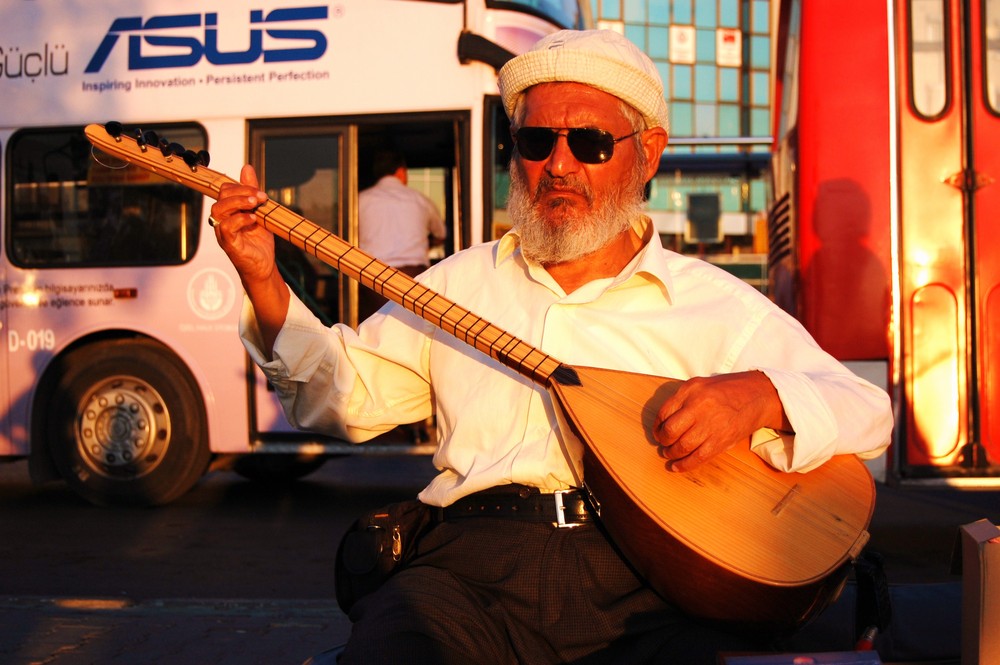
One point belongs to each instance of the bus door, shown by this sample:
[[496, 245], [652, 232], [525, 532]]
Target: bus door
[[984, 223], [316, 167], [6, 445], [949, 128]]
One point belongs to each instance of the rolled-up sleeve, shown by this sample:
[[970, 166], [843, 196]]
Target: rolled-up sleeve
[[331, 380], [831, 410]]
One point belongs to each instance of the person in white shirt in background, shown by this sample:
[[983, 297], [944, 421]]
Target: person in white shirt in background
[[396, 224], [583, 276]]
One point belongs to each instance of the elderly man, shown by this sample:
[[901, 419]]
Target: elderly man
[[582, 275]]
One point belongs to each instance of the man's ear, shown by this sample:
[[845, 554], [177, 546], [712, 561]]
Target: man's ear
[[654, 142]]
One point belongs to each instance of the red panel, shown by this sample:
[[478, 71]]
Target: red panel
[[986, 232], [933, 265], [989, 375], [843, 222], [949, 370], [933, 375]]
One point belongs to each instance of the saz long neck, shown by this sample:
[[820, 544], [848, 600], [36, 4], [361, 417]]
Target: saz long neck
[[348, 259], [422, 301]]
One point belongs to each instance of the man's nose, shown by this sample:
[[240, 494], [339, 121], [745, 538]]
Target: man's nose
[[562, 160]]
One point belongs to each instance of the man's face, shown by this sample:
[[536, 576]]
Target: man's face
[[563, 208]]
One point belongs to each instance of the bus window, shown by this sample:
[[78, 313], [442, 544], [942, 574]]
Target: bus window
[[928, 79], [564, 13], [991, 30], [301, 171], [498, 179], [70, 209], [790, 75], [306, 166]]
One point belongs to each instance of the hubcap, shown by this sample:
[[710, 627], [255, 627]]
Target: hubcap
[[123, 428]]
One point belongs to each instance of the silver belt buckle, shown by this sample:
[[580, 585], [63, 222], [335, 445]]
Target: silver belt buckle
[[561, 522]]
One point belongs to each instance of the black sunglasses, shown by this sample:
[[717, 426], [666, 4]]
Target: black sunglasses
[[589, 146]]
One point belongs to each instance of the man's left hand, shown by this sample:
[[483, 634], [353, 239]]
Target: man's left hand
[[709, 415]]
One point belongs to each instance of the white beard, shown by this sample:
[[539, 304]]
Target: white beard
[[556, 232]]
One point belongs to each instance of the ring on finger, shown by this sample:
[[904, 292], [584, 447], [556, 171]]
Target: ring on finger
[[212, 221]]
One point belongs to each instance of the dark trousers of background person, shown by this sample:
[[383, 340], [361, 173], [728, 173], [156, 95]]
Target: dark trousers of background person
[[501, 591]]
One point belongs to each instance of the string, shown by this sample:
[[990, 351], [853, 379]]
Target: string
[[94, 152], [771, 486], [413, 296], [528, 361], [437, 310], [397, 286]]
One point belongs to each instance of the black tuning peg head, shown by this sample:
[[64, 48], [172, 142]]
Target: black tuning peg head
[[195, 159], [192, 159], [114, 129], [170, 150]]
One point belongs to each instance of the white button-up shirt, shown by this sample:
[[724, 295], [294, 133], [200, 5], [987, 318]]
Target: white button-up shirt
[[664, 314], [395, 222]]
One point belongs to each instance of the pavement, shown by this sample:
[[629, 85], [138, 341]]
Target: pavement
[[94, 631], [914, 529]]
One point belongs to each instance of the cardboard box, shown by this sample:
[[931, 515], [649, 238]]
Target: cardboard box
[[980, 593]]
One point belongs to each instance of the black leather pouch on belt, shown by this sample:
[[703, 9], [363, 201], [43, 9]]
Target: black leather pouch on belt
[[375, 546]]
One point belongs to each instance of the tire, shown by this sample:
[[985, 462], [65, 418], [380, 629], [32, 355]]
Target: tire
[[127, 424], [277, 469]]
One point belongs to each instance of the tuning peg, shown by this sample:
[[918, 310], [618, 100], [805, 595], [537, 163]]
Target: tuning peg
[[192, 159], [114, 129], [170, 150], [140, 139], [196, 159]]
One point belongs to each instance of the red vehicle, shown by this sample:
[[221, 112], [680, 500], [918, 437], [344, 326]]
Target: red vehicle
[[885, 225]]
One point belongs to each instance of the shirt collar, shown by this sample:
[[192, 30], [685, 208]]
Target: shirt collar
[[389, 180], [651, 261]]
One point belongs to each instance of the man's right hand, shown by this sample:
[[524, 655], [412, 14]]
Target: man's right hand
[[247, 244], [250, 247]]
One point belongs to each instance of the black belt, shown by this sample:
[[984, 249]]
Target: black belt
[[561, 508]]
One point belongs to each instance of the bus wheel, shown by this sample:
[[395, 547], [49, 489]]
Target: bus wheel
[[277, 468], [127, 424]]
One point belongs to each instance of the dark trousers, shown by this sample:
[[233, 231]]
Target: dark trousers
[[503, 591]]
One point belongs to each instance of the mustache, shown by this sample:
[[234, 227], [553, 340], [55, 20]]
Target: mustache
[[549, 184]]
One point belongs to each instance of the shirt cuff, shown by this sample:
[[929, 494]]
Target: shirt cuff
[[293, 358], [813, 438]]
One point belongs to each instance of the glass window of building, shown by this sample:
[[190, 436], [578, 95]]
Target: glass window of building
[[726, 62], [714, 57]]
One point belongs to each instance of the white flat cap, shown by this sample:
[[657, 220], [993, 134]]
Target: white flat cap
[[600, 58]]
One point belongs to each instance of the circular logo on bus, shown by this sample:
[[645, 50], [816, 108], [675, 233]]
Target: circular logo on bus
[[211, 294]]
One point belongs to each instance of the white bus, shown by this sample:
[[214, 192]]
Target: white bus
[[122, 372]]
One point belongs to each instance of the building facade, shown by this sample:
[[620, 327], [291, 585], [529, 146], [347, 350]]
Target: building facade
[[710, 197]]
